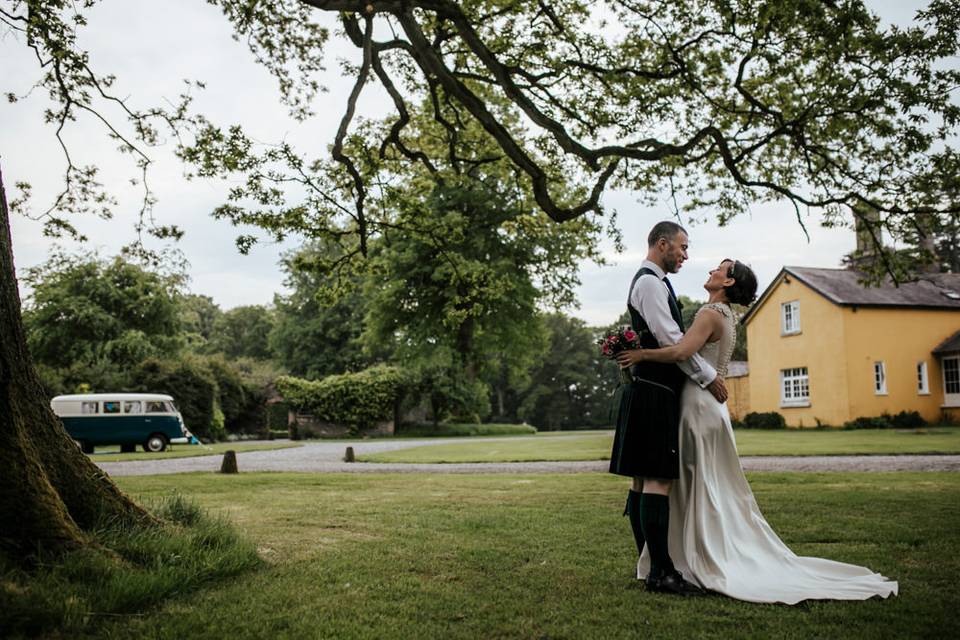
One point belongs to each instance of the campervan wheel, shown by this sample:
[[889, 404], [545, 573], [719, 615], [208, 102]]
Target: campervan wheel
[[155, 443]]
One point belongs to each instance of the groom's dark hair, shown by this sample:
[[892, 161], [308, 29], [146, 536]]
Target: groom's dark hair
[[665, 229]]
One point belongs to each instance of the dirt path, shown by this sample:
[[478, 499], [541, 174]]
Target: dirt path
[[326, 457]]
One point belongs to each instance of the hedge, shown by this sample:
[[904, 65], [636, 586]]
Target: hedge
[[766, 420], [902, 420], [356, 400]]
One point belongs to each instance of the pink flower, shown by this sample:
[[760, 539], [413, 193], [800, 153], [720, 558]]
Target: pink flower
[[614, 340], [605, 350], [630, 334]]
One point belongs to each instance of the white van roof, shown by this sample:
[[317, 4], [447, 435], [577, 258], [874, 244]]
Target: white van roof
[[115, 396]]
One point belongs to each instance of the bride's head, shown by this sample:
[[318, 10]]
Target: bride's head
[[735, 279]]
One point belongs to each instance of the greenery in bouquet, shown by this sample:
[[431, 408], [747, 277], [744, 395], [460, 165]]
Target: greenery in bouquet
[[622, 339]]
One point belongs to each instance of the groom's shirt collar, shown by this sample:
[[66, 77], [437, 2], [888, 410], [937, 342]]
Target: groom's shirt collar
[[653, 266]]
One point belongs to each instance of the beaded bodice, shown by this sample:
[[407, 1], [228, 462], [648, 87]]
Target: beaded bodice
[[719, 353]]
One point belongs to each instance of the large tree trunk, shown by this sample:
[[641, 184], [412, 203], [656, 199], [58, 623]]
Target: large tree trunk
[[51, 494]]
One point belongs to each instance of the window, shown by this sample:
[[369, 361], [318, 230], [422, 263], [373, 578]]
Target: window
[[794, 387], [89, 407], [133, 406], [790, 317], [923, 385], [110, 406], [951, 376], [155, 406], [879, 379]]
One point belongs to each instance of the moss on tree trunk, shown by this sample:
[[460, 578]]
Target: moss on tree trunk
[[51, 494]]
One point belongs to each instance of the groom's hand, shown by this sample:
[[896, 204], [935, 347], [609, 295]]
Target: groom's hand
[[718, 389], [629, 357]]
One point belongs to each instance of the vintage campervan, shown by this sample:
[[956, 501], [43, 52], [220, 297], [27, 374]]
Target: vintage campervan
[[127, 419]]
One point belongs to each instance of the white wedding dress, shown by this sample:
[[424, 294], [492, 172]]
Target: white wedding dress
[[718, 537]]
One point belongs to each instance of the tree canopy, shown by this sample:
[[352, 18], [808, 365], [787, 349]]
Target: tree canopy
[[719, 104]]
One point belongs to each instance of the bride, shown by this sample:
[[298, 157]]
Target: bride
[[718, 537]]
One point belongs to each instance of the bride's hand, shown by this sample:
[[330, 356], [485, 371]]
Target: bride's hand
[[629, 357]]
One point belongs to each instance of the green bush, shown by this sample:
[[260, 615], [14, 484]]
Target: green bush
[[356, 400], [493, 429], [766, 420], [193, 388], [902, 420]]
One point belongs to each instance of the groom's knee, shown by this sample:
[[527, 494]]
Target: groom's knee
[[658, 486]]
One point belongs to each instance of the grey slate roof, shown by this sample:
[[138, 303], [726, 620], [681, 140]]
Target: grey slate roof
[[950, 345], [842, 287]]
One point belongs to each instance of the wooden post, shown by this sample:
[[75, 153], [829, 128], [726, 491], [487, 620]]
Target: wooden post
[[229, 462], [349, 457]]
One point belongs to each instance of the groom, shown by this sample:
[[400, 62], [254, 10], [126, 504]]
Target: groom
[[646, 444]]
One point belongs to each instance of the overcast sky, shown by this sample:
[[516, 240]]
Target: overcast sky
[[151, 46]]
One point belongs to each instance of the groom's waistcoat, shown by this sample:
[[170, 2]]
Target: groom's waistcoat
[[668, 375]]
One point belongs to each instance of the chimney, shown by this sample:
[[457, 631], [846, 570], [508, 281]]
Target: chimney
[[866, 222]]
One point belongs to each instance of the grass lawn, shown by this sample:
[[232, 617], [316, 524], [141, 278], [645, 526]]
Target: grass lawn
[[112, 454], [750, 442], [540, 556]]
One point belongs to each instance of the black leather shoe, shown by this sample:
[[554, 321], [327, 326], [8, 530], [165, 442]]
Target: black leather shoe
[[673, 582]]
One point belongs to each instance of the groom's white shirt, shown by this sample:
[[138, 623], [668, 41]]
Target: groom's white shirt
[[649, 297]]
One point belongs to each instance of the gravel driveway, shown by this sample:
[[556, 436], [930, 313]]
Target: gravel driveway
[[327, 457]]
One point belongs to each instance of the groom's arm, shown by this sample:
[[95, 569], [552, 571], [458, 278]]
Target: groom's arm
[[649, 297]]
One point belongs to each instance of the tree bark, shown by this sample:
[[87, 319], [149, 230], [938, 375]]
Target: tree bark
[[51, 494]]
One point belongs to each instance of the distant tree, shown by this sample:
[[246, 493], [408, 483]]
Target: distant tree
[[314, 334], [90, 315], [198, 315], [568, 390], [242, 332]]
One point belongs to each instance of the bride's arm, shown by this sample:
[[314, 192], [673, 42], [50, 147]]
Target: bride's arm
[[705, 325]]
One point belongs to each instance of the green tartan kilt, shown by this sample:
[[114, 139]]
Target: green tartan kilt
[[646, 443]]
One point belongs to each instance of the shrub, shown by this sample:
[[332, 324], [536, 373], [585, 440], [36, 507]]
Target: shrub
[[902, 420], [766, 420], [193, 388], [357, 400]]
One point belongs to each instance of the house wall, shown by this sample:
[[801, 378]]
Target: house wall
[[820, 347], [738, 396], [900, 338]]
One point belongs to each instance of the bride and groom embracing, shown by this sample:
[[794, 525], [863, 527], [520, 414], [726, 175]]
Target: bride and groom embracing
[[694, 518]]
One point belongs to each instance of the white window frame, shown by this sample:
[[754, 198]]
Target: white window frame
[[879, 378], [795, 387], [792, 309], [923, 379], [950, 399]]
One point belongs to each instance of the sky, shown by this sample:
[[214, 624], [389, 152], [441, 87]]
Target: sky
[[152, 46]]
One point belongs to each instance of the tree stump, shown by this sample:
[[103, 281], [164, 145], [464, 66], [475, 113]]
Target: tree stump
[[229, 462], [349, 457]]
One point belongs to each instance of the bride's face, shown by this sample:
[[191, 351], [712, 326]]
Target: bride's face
[[719, 277]]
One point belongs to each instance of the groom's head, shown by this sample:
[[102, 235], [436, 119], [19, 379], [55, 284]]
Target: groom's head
[[667, 245]]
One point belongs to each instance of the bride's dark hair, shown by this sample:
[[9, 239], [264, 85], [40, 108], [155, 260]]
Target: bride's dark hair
[[744, 289]]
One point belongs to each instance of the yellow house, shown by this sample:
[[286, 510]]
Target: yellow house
[[825, 349]]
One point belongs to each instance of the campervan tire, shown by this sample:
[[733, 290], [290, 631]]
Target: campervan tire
[[156, 443], [85, 446]]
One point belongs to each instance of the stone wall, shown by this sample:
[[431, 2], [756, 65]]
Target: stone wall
[[309, 426]]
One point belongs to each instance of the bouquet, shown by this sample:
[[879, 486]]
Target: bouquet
[[622, 339]]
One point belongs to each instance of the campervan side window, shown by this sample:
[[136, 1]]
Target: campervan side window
[[110, 406], [89, 407], [133, 406], [155, 406]]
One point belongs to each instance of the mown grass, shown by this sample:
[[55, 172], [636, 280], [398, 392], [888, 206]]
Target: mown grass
[[112, 454], [458, 430], [541, 556], [126, 572], [596, 445]]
